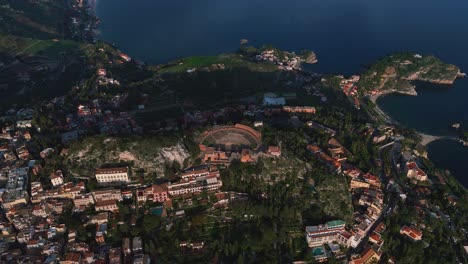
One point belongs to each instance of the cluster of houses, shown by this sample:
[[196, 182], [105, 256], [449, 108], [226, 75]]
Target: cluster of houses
[[193, 180], [90, 117], [334, 165], [350, 88], [34, 220], [369, 194], [15, 191], [371, 198], [15, 135], [82, 27], [33, 209], [35, 223], [410, 167], [285, 61], [104, 80], [131, 251]]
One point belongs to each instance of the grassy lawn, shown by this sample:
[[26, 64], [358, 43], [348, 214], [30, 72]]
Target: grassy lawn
[[229, 60], [190, 63], [50, 47]]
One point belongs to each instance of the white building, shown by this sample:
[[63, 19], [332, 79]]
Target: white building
[[56, 178], [322, 234], [414, 172], [23, 124], [196, 171], [196, 185], [112, 175], [107, 194], [83, 200], [258, 123], [110, 205]]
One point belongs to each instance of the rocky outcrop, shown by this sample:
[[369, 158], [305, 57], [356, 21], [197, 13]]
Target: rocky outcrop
[[310, 57], [147, 153]]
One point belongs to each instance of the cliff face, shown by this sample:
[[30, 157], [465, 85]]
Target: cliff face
[[393, 73]]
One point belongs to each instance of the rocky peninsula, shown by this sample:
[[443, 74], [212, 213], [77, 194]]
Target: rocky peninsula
[[394, 74]]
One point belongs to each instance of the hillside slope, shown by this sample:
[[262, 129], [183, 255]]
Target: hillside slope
[[149, 153]]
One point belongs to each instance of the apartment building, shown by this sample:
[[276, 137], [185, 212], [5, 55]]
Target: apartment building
[[113, 175]]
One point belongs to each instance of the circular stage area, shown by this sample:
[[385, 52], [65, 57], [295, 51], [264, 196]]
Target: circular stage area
[[227, 136]]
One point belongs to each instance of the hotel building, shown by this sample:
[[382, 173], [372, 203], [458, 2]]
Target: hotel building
[[112, 175], [322, 234]]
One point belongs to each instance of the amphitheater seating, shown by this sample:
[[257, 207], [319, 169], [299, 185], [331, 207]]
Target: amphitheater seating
[[232, 135]]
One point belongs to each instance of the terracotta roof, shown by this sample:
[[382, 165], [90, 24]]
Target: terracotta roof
[[346, 234], [73, 257], [106, 191], [314, 148], [375, 236], [106, 203], [33, 242], [411, 232], [420, 172], [221, 196], [411, 165], [159, 188], [368, 254], [370, 177], [273, 149], [112, 170], [245, 152], [380, 227]]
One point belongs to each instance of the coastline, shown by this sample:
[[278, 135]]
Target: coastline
[[425, 139]]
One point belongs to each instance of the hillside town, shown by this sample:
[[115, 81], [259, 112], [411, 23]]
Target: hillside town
[[158, 164], [34, 207]]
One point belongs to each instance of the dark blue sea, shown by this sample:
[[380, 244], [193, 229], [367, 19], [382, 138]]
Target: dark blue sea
[[346, 35]]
